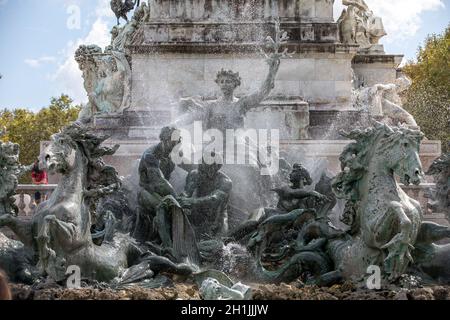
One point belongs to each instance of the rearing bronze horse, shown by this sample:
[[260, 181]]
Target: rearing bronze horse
[[60, 229]]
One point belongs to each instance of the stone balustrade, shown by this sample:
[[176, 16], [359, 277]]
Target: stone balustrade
[[25, 197]]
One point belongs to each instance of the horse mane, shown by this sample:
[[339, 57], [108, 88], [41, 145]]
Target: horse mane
[[78, 135], [395, 134], [353, 160], [355, 157]]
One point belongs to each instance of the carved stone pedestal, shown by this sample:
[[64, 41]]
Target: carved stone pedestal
[[132, 125], [371, 69], [291, 118]]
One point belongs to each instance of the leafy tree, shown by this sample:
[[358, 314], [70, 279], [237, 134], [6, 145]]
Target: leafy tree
[[428, 99], [28, 128]]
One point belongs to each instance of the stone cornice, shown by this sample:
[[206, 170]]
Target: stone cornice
[[239, 48], [378, 58], [235, 37], [221, 32]]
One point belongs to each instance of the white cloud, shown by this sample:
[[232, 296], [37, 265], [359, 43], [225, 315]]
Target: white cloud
[[401, 18], [36, 63], [68, 77]]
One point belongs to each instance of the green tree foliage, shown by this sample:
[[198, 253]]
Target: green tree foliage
[[29, 128], [428, 99]]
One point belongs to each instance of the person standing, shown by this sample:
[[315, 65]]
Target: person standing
[[38, 177]]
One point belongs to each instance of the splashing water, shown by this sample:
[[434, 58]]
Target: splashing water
[[235, 260]]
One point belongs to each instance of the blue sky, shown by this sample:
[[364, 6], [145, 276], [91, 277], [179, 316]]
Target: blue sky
[[38, 39]]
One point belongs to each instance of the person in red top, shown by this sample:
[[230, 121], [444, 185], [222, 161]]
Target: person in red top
[[38, 177]]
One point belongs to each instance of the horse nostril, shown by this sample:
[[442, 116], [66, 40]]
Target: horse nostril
[[47, 157], [417, 172]]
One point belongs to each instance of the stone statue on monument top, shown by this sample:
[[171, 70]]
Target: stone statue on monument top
[[107, 73], [121, 8], [358, 25]]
